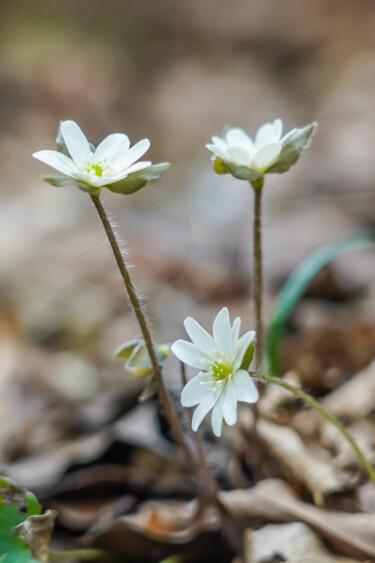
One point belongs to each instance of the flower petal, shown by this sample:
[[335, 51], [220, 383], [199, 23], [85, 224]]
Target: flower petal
[[264, 136], [76, 142], [239, 155], [242, 345], [245, 387], [200, 337], [238, 137], [57, 160], [230, 404], [187, 353], [222, 331], [277, 129], [234, 336], [132, 155], [201, 411], [112, 147], [218, 151], [196, 390], [217, 415], [218, 141], [266, 156], [138, 166]]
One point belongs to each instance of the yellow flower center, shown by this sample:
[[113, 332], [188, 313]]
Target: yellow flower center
[[220, 371], [98, 169]]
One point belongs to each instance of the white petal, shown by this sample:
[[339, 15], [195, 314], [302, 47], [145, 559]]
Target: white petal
[[242, 345], [234, 336], [218, 141], [57, 160], [187, 353], [218, 151], [239, 155], [112, 147], [222, 331], [230, 404], [200, 337], [201, 411], [78, 146], [196, 390], [266, 156], [264, 136], [132, 154], [239, 138], [138, 166], [277, 130], [217, 415], [286, 137], [245, 387]]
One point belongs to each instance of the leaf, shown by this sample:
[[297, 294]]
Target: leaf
[[62, 181], [297, 459], [297, 141], [248, 357], [243, 172], [294, 543], [273, 499], [137, 180], [36, 531], [138, 359], [296, 285], [17, 506], [220, 166], [150, 390]]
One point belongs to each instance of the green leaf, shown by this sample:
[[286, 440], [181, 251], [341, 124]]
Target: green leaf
[[137, 180], [297, 141], [58, 181], [296, 285], [243, 172], [138, 359], [248, 357], [149, 391], [16, 506], [220, 167]]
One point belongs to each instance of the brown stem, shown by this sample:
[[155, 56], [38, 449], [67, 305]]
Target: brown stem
[[258, 274], [137, 308]]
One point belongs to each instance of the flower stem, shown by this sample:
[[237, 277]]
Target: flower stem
[[82, 554], [258, 274], [332, 419], [137, 308]]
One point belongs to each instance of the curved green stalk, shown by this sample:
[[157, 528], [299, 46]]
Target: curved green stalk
[[332, 419]]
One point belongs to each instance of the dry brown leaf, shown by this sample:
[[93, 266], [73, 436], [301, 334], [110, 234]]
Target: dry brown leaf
[[356, 397], [294, 543], [272, 499], [319, 476], [36, 531]]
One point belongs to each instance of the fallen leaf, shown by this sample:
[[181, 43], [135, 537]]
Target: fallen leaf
[[294, 543]]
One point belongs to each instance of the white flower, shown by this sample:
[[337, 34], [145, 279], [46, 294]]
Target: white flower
[[222, 380], [268, 152], [112, 161]]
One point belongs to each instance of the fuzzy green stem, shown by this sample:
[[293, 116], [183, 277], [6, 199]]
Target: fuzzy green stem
[[137, 308], [258, 275], [82, 555], [332, 419]]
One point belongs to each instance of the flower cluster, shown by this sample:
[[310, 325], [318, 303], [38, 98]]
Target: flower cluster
[[223, 360]]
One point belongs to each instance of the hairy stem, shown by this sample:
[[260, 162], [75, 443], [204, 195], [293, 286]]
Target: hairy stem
[[258, 275], [81, 554], [137, 308], [332, 419]]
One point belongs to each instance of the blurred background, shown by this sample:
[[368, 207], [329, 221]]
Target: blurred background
[[177, 72]]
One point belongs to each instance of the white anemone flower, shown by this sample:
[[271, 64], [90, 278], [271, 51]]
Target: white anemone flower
[[112, 161], [222, 380], [268, 152]]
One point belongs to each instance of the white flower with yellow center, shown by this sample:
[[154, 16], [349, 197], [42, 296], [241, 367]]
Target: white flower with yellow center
[[250, 159], [113, 163], [222, 360]]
